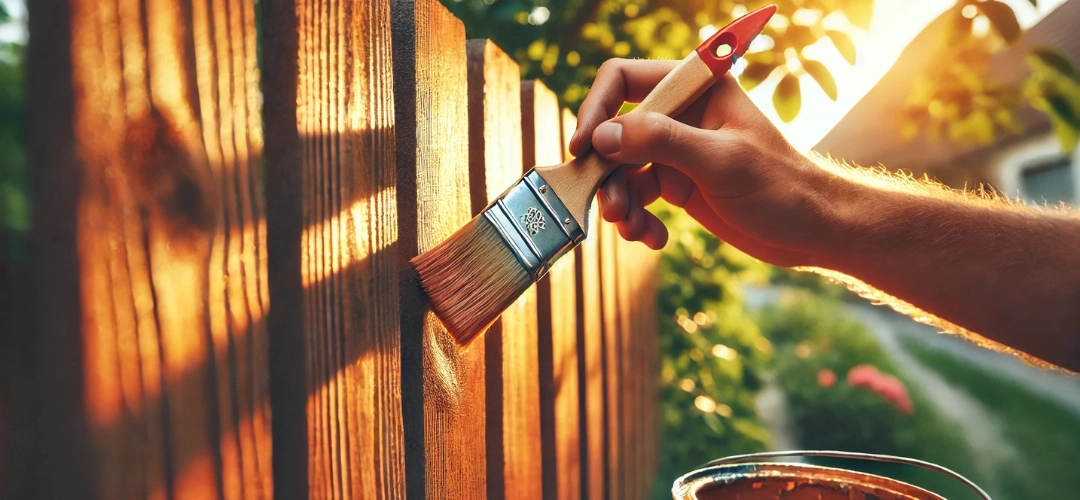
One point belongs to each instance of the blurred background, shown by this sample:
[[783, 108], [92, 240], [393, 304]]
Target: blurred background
[[971, 93]]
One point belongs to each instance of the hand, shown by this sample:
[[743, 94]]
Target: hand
[[721, 160]]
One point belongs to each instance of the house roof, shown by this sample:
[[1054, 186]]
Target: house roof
[[870, 133]]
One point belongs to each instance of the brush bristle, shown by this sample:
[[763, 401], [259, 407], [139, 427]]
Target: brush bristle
[[471, 278]]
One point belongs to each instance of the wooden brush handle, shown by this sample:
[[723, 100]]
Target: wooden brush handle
[[576, 181]]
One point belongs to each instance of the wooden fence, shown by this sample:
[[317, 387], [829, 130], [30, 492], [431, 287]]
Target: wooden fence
[[221, 303]]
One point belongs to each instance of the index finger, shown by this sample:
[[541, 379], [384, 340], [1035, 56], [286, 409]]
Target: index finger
[[617, 81]]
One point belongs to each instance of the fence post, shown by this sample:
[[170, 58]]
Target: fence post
[[442, 383], [542, 145], [609, 276], [145, 146], [332, 178], [591, 363], [495, 156]]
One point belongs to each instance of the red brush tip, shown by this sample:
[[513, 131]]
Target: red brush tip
[[733, 40]]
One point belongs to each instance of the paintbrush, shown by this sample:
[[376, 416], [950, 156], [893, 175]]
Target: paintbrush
[[475, 274]]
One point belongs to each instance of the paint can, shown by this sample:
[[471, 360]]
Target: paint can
[[733, 478]]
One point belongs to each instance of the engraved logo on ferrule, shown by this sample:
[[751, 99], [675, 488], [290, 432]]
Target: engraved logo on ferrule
[[534, 221]]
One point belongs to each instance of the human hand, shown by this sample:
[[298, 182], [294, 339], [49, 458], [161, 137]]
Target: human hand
[[721, 160]]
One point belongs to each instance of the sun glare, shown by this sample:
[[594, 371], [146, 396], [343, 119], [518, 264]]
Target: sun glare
[[894, 25]]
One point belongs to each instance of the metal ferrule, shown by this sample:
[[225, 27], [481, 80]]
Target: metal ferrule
[[534, 223]]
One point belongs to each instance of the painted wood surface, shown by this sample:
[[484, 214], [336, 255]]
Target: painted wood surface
[[636, 346], [564, 378], [591, 364], [495, 159], [156, 359], [146, 143], [442, 382], [609, 280], [333, 167]]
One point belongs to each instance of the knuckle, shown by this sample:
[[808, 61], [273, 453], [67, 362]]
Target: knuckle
[[659, 129], [613, 65]]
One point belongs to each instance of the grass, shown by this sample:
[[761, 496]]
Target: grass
[[1046, 435]]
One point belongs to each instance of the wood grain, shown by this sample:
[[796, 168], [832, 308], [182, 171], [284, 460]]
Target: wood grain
[[556, 314], [576, 182], [442, 383], [344, 308], [635, 295], [151, 308], [495, 159], [591, 364], [632, 370], [564, 378], [613, 361]]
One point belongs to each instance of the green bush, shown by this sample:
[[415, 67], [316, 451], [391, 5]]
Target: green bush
[[712, 353], [811, 334]]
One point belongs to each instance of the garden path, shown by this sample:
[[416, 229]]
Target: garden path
[[981, 428]]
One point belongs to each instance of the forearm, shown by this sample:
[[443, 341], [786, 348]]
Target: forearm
[[1008, 273]]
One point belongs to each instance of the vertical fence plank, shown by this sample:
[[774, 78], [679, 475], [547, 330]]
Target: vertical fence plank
[[609, 278], [650, 325], [495, 156], [442, 383], [331, 129], [564, 339], [635, 376], [591, 364], [630, 370], [635, 292], [542, 145], [144, 165]]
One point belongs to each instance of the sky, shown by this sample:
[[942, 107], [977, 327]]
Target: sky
[[894, 25], [14, 32]]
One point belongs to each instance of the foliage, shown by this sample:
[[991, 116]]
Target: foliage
[[564, 42], [711, 352], [14, 204], [1044, 433], [813, 337], [955, 98], [1054, 89]]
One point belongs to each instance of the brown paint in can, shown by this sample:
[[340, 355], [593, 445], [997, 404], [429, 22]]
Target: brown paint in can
[[792, 482]]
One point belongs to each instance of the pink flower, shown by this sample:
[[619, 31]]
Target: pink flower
[[862, 375], [893, 390], [887, 386], [826, 378]]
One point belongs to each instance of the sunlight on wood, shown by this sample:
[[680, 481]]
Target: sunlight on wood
[[355, 222]]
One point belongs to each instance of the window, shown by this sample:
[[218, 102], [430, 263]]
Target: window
[[1049, 181]]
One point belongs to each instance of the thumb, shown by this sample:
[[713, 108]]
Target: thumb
[[639, 138]]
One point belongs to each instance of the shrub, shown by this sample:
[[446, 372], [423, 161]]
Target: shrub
[[870, 406], [712, 353]]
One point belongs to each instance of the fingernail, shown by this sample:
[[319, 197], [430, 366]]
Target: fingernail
[[608, 138]]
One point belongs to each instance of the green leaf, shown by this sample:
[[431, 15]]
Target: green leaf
[[859, 12], [1034, 3], [1067, 135], [1002, 17], [754, 74], [787, 99], [1056, 60], [5, 16], [822, 76], [843, 44], [1061, 107]]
